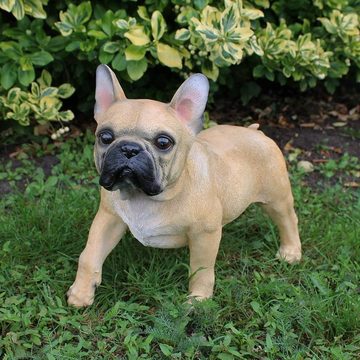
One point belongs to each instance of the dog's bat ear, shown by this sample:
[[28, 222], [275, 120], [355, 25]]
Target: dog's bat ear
[[190, 100], [108, 89]]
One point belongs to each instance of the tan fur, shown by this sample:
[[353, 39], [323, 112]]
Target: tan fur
[[210, 180]]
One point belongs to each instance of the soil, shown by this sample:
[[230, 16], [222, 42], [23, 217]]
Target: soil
[[315, 126]]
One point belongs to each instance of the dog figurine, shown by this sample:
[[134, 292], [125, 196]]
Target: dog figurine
[[173, 185]]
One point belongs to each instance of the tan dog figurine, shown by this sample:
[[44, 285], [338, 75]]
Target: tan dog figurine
[[173, 185]]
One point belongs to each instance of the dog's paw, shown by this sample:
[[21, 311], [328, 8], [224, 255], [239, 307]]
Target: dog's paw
[[79, 298], [291, 255], [192, 298]]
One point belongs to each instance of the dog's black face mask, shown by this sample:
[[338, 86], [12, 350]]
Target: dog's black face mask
[[127, 166]]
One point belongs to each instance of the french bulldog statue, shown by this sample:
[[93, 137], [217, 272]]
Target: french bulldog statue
[[172, 184]]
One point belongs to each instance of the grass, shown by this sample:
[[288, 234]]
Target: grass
[[262, 308]]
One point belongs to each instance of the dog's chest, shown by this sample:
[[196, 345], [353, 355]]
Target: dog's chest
[[150, 225]]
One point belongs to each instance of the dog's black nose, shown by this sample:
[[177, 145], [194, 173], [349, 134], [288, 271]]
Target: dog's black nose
[[130, 149]]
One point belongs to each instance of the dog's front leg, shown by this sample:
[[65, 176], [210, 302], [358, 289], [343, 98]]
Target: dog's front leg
[[105, 232], [203, 251]]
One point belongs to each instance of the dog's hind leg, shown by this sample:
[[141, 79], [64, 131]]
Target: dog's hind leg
[[283, 214]]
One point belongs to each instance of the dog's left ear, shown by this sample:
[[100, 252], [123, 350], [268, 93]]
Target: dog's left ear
[[108, 89], [190, 100]]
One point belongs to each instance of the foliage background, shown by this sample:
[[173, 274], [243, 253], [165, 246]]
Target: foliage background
[[288, 42]]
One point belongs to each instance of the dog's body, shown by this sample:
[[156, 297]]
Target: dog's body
[[181, 195]]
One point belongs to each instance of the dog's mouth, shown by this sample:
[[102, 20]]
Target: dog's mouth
[[130, 174]]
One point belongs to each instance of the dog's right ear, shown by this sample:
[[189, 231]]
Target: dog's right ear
[[108, 89]]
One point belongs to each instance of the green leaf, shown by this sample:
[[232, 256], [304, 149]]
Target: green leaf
[[350, 25], [97, 34], [35, 8], [262, 3], [41, 58], [255, 47], [35, 89], [168, 56], [133, 52], [83, 12], [303, 85], [106, 24], [65, 90], [167, 350], [74, 18], [45, 79], [67, 115], [51, 181], [259, 71], [105, 57], [14, 95], [111, 47], [269, 75], [269, 343], [50, 91], [11, 49], [26, 76], [57, 43], [121, 24], [286, 71], [7, 5], [225, 356], [182, 34], [74, 45], [136, 69], [256, 307], [119, 62], [18, 9], [249, 90], [137, 35], [25, 63], [210, 70], [200, 4], [158, 25], [64, 28], [142, 12], [252, 14], [8, 75], [329, 27], [331, 85], [228, 19]]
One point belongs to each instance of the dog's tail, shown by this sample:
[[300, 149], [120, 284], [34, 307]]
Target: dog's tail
[[254, 126]]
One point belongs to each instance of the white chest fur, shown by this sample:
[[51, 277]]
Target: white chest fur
[[149, 224]]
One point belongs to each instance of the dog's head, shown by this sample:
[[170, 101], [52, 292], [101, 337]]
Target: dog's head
[[142, 145]]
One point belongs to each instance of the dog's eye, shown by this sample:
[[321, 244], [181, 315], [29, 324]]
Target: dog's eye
[[164, 142], [106, 137]]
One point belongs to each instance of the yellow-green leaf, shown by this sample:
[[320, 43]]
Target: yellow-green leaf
[[158, 25], [18, 10], [136, 69], [35, 9], [7, 5], [182, 34], [134, 52], [137, 35], [210, 70], [142, 12], [168, 55], [252, 14]]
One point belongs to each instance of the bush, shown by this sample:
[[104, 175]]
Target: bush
[[284, 41]]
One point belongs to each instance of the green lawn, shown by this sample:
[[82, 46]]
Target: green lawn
[[262, 308]]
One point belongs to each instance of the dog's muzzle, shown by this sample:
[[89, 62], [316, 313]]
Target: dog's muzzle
[[128, 165]]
